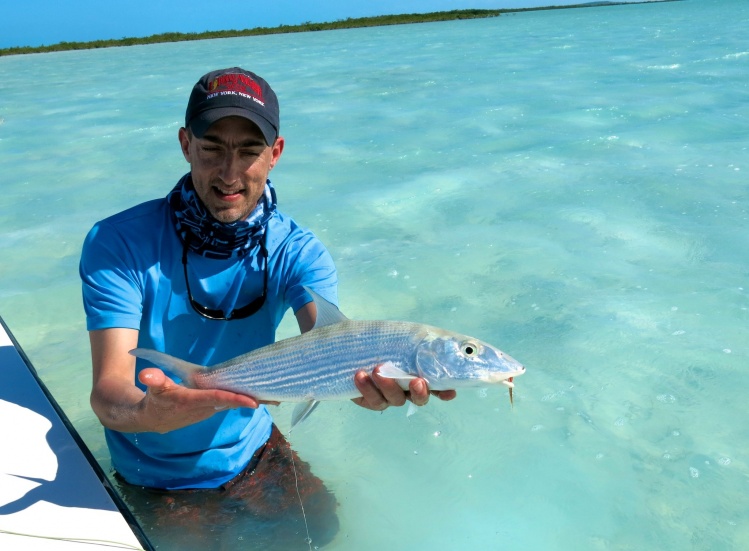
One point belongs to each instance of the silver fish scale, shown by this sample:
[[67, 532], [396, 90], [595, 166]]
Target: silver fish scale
[[319, 364]]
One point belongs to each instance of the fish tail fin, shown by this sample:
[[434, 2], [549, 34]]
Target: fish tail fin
[[184, 370]]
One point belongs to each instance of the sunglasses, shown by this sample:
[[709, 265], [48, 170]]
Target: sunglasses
[[238, 313]]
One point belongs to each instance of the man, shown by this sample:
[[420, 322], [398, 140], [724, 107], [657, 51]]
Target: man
[[204, 274]]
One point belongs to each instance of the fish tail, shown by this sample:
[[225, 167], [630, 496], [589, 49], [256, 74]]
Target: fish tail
[[184, 370]]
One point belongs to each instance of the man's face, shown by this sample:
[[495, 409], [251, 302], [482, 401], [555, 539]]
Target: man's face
[[230, 165]]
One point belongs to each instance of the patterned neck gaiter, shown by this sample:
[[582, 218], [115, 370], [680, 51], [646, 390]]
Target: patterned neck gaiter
[[208, 237]]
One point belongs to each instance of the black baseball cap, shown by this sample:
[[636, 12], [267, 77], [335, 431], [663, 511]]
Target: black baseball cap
[[233, 92]]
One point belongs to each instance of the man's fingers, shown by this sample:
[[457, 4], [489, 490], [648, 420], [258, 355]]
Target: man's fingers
[[445, 395], [380, 392], [419, 392], [233, 400], [371, 397], [389, 388], [159, 384]]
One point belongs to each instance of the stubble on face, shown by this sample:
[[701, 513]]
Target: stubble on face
[[230, 165]]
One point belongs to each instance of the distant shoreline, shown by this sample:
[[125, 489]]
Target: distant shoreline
[[350, 23]]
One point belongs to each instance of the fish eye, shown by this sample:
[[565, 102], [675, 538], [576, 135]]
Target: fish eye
[[470, 349]]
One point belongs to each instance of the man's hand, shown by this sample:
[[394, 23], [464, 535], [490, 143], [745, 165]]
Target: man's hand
[[379, 393], [163, 407], [167, 406]]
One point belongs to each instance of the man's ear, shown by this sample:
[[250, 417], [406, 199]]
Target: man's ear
[[276, 150], [184, 142]]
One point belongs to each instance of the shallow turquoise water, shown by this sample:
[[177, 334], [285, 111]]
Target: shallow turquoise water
[[569, 185]]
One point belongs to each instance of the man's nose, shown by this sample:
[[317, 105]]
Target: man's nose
[[230, 167]]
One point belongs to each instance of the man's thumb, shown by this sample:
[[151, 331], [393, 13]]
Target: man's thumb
[[154, 379]]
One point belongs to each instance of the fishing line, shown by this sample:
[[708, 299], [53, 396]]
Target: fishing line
[[299, 495]]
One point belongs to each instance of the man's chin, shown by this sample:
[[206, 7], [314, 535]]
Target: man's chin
[[227, 216]]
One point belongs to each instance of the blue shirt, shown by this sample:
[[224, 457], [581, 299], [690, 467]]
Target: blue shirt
[[132, 273]]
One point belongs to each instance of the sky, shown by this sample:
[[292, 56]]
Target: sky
[[46, 22]]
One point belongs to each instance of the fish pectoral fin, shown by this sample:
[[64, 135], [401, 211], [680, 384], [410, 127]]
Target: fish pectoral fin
[[302, 411], [391, 371]]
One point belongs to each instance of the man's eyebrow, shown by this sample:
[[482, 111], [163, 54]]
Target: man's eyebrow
[[249, 142]]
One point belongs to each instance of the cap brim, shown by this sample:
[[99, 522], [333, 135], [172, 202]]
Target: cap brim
[[201, 122]]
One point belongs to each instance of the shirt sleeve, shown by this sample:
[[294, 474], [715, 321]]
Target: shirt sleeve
[[312, 266], [112, 293]]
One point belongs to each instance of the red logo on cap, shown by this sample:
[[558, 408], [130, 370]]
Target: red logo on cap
[[235, 83]]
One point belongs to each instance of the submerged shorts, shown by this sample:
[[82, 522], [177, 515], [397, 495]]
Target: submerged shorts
[[261, 508]]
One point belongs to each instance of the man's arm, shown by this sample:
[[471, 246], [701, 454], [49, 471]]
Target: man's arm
[[165, 406], [378, 393]]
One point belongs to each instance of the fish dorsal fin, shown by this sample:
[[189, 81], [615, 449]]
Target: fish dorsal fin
[[327, 313]]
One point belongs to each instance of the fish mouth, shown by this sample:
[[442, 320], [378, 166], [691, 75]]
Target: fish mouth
[[505, 379]]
